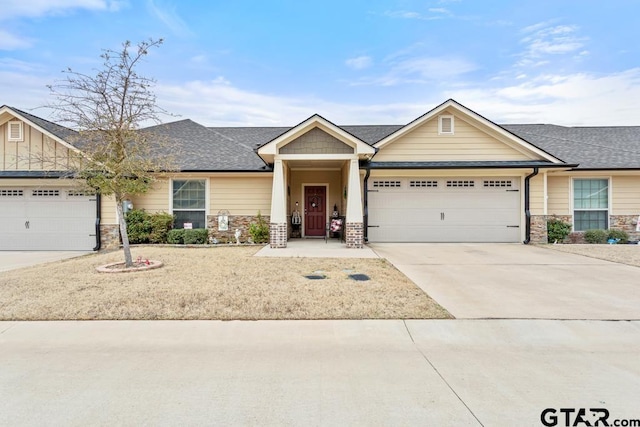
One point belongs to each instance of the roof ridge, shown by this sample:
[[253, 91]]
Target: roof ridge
[[19, 111], [580, 142]]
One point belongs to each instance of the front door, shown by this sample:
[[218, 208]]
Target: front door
[[314, 211]]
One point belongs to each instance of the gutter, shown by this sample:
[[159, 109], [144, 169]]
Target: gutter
[[98, 218], [366, 205], [527, 211]]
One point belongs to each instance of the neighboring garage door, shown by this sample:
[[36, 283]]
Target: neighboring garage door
[[46, 219], [444, 210]]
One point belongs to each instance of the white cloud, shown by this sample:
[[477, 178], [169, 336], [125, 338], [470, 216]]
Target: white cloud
[[543, 39], [169, 16], [10, 41], [33, 8], [359, 62]]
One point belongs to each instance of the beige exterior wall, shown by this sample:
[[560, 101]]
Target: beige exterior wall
[[467, 143], [244, 195], [536, 195], [36, 152], [108, 210], [625, 195], [559, 195], [156, 199]]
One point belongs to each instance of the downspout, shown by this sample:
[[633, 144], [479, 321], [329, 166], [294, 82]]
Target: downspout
[[527, 211], [366, 205], [98, 214]]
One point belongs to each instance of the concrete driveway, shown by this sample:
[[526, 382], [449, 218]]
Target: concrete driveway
[[11, 260], [518, 281]]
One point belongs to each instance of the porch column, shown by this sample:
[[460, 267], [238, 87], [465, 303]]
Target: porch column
[[278, 219], [355, 222]]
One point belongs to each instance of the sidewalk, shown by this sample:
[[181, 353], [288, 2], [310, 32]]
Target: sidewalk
[[363, 373]]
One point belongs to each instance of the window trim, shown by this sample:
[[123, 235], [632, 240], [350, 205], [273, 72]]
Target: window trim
[[20, 125], [207, 202], [609, 200], [446, 116]]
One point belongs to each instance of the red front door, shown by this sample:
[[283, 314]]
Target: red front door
[[314, 211]]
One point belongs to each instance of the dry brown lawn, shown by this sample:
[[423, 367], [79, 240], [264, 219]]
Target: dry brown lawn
[[212, 283], [624, 254]]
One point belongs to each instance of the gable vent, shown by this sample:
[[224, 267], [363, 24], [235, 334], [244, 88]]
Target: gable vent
[[445, 125], [11, 193], [15, 131], [460, 184], [421, 184], [491, 183], [386, 184], [45, 193]]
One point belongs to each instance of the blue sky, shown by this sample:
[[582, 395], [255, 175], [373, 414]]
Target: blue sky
[[270, 63]]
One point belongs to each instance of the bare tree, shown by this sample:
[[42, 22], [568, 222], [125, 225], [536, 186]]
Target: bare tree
[[107, 109]]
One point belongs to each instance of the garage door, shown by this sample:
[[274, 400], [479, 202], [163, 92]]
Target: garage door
[[444, 210], [46, 219]]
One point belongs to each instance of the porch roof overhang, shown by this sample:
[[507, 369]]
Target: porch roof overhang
[[271, 149]]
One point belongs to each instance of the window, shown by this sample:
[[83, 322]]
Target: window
[[189, 202], [445, 125], [14, 131], [494, 183], [590, 204], [386, 184], [420, 184], [460, 184]]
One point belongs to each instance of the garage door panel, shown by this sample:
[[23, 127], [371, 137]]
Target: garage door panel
[[449, 210], [47, 219]]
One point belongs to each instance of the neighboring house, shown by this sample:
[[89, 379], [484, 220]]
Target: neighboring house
[[451, 175]]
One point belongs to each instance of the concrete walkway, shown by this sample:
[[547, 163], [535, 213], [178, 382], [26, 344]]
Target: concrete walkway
[[12, 260], [316, 248], [321, 373]]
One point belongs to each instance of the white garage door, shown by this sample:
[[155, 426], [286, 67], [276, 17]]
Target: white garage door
[[444, 210], [46, 219]]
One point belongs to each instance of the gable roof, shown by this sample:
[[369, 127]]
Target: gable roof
[[59, 133]]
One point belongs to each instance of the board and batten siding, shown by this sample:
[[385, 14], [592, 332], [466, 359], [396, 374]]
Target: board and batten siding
[[240, 195], [625, 195], [35, 152], [559, 193], [467, 143]]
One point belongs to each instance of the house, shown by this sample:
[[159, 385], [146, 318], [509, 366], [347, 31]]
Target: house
[[450, 175]]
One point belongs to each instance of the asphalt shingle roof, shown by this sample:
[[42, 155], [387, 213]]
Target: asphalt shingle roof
[[61, 132]]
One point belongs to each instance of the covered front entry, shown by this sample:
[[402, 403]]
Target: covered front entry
[[316, 165], [445, 209]]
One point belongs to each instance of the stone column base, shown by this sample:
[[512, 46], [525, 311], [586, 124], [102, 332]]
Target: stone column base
[[278, 235], [109, 236], [355, 235]]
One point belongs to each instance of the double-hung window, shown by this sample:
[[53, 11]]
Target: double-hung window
[[590, 204], [189, 202]]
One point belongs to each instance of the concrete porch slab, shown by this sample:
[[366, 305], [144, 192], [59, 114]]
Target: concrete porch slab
[[316, 248]]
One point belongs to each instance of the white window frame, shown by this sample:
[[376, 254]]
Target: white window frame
[[609, 199], [206, 194], [440, 119], [20, 125]]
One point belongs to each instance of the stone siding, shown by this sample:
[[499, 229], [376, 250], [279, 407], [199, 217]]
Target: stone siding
[[278, 235], [109, 237], [355, 235], [618, 222], [539, 226], [241, 222], [626, 223]]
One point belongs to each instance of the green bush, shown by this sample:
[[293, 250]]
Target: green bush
[[557, 230], [197, 236], [259, 231], [619, 234], [176, 236], [143, 227], [596, 236], [161, 223]]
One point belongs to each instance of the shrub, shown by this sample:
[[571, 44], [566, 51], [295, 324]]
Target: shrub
[[197, 236], [557, 230], [259, 231], [596, 236], [138, 226], [619, 234], [176, 236], [161, 223]]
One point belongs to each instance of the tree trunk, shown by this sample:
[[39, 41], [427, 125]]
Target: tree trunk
[[128, 260]]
